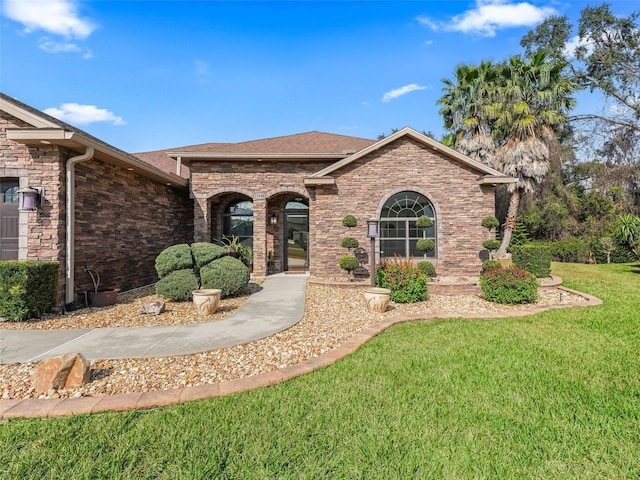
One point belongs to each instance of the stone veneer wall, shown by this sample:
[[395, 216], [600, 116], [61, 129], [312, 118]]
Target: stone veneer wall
[[123, 220], [363, 186]]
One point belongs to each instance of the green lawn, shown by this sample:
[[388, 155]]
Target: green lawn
[[555, 395]]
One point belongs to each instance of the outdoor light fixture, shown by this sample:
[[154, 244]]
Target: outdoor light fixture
[[372, 230], [29, 198], [273, 219]]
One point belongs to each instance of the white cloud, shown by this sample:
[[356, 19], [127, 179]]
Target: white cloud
[[398, 92], [50, 46], [58, 17], [488, 16], [75, 113]]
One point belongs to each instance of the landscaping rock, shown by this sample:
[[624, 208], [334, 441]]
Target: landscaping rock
[[69, 371], [153, 308]]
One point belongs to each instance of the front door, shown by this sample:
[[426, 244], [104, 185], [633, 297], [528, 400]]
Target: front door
[[297, 245]]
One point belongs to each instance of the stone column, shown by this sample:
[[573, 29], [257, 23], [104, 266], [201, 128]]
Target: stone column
[[259, 237], [201, 220]]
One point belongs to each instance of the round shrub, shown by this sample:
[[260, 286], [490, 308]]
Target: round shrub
[[205, 253], [427, 268], [228, 274], [177, 285], [349, 242], [535, 259], [406, 282], [348, 263], [490, 223], [349, 221], [425, 245], [424, 222], [490, 265], [176, 257], [509, 285], [492, 244]]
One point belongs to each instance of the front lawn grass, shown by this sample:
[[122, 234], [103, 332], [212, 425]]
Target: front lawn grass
[[554, 395]]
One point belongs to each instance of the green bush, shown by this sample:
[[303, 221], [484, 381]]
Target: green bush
[[427, 268], [620, 253], [176, 257], [204, 253], [348, 263], [425, 245], [178, 285], [534, 258], [349, 221], [424, 222], [492, 244], [509, 285], [490, 223], [405, 280], [27, 288], [228, 274], [349, 242], [490, 265], [571, 250]]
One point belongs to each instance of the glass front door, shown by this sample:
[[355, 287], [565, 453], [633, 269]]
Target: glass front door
[[296, 247]]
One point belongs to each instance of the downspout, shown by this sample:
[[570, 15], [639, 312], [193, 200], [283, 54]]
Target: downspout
[[70, 221]]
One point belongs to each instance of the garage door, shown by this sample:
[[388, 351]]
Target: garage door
[[8, 219]]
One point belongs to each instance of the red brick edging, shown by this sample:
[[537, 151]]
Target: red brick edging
[[57, 407]]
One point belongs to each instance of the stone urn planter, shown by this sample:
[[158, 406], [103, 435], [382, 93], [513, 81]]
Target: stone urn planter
[[103, 298], [377, 299], [206, 300]]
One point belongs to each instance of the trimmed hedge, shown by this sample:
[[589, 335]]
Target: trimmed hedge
[[425, 245], [534, 258], [348, 263], [490, 265], [349, 242], [427, 268], [349, 221], [27, 288], [176, 257], [405, 280], [509, 285], [228, 274], [178, 285], [205, 253]]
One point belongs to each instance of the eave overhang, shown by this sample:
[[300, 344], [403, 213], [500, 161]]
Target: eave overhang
[[317, 182], [496, 180], [76, 141]]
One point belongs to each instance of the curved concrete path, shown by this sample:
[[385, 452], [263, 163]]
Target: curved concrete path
[[276, 307]]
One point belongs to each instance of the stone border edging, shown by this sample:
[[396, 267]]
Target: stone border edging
[[58, 407]]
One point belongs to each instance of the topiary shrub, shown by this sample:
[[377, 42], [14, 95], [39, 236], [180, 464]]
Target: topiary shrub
[[490, 265], [348, 263], [176, 257], [228, 274], [178, 285], [27, 288], [425, 245], [491, 245], [427, 268], [490, 223], [205, 253], [349, 243], [535, 259], [424, 222], [509, 286], [405, 280], [349, 221]]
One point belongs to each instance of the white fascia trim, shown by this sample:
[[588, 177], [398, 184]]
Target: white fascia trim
[[320, 181], [496, 180], [25, 115]]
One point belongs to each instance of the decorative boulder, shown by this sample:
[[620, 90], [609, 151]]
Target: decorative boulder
[[69, 371], [153, 308]]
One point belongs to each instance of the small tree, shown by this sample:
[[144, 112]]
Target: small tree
[[491, 245], [608, 246], [491, 223], [349, 221], [425, 245], [349, 263], [349, 243]]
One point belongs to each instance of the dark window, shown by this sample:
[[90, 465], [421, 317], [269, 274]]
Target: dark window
[[238, 221]]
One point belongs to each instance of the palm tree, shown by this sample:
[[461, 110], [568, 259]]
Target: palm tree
[[536, 99], [463, 108]]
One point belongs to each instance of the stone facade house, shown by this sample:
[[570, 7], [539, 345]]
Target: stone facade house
[[100, 207], [285, 197]]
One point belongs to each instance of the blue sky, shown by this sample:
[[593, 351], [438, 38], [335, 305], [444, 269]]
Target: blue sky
[[148, 75]]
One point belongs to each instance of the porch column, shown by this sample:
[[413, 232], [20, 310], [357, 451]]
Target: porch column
[[201, 220], [259, 237]]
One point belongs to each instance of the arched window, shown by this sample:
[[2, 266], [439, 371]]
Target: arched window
[[398, 231], [9, 195], [238, 221]]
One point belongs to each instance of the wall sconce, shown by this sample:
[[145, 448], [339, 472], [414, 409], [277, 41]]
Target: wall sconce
[[273, 219], [30, 198], [372, 232]]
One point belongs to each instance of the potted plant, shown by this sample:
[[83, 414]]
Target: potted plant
[[271, 262], [100, 298], [245, 254]]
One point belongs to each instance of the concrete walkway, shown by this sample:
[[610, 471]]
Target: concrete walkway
[[276, 307]]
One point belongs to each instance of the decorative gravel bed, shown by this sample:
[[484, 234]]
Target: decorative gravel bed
[[332, 316]]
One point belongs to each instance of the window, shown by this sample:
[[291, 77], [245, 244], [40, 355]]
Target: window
[[9, 195], [398, 231], [238, 221]]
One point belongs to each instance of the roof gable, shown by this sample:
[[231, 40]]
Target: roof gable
[[481, 168]]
